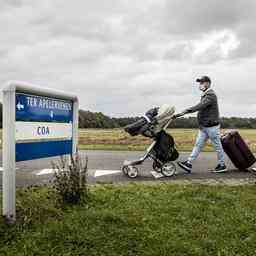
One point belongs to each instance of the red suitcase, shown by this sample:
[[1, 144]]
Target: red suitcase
[[237, 150]]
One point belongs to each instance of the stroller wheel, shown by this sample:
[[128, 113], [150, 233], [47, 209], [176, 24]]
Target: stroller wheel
[[168, 169], [132, 171]]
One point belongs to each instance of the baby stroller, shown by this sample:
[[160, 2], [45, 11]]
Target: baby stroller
[[162, 150]]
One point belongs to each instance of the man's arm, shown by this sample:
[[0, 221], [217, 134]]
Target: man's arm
[[206, 101]]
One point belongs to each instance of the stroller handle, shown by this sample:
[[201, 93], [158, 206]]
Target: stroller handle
[[173, 118], [169, 121], [179, 114]]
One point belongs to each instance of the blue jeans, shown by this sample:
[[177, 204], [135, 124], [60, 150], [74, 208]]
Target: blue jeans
[[205, 133]]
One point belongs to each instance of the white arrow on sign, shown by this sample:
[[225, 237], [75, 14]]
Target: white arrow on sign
[[19, 106], [51, 114]]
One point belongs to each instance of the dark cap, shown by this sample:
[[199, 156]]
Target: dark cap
[[203, 79]]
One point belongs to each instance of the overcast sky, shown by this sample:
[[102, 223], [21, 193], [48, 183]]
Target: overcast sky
[[122, 57]]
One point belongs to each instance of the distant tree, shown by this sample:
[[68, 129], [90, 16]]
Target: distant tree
[[88, 119]]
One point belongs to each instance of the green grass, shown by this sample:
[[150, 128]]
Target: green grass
[[136, 219], [114, 147], [117, 139]]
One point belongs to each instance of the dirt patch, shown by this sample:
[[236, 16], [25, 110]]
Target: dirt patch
[[123, 141]]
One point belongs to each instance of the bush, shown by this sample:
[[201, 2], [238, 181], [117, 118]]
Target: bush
[[70, 180]]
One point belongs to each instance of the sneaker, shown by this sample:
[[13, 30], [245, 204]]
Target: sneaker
[[186, 165], [220, 168]]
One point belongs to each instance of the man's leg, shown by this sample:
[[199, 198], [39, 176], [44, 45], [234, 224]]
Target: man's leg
[[200, 142], [202, 137], [215, 138]]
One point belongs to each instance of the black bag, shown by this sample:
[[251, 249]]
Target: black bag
[[134, 128], [141, 126], [165, 147], [237, 150]]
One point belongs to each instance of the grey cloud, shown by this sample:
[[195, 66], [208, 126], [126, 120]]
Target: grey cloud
[[247, 37], [122, 57], [198, 16], [246, 49], [180, 51], [191, 19], [129, 30], [10, 3]]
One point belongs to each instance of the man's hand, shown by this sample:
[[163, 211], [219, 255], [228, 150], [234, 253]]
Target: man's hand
[[180, 114]]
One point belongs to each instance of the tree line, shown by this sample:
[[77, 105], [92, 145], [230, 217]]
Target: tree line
[[88, 119]]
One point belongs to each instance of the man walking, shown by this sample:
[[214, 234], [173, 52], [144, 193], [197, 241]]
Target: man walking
[[209, 126]]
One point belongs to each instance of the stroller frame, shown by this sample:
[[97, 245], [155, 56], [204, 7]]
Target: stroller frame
[[168, 169]]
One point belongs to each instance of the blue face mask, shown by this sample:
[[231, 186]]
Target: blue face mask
[[196, 91]]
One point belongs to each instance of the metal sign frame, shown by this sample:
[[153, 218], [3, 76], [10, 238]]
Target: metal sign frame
[[9, 133]]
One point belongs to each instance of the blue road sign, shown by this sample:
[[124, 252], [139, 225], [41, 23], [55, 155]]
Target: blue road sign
[[43, 109], [42, 149], [34, 127], [32, 110]]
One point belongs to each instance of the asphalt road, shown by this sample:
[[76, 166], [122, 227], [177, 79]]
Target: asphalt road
[[105, 166]]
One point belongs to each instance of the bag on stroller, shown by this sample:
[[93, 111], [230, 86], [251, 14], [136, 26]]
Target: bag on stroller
[[141, 125], [162, 151], [164, 148]]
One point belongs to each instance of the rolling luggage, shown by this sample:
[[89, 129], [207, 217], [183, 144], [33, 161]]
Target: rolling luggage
[[237, 150]]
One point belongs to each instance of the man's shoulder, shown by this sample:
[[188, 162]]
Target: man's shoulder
[[210, 92]]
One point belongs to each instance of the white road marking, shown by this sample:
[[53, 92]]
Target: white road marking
[[1, 169], [157, 175], [99, 173], [45, 171]]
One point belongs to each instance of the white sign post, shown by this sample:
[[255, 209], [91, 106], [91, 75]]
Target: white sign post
[[38, 122]]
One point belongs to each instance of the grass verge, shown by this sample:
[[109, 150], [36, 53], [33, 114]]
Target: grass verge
[[136, 219], [116, 147], [117, 139]]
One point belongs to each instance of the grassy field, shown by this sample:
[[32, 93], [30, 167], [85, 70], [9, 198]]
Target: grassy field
[[136, 219], [117, 139]]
